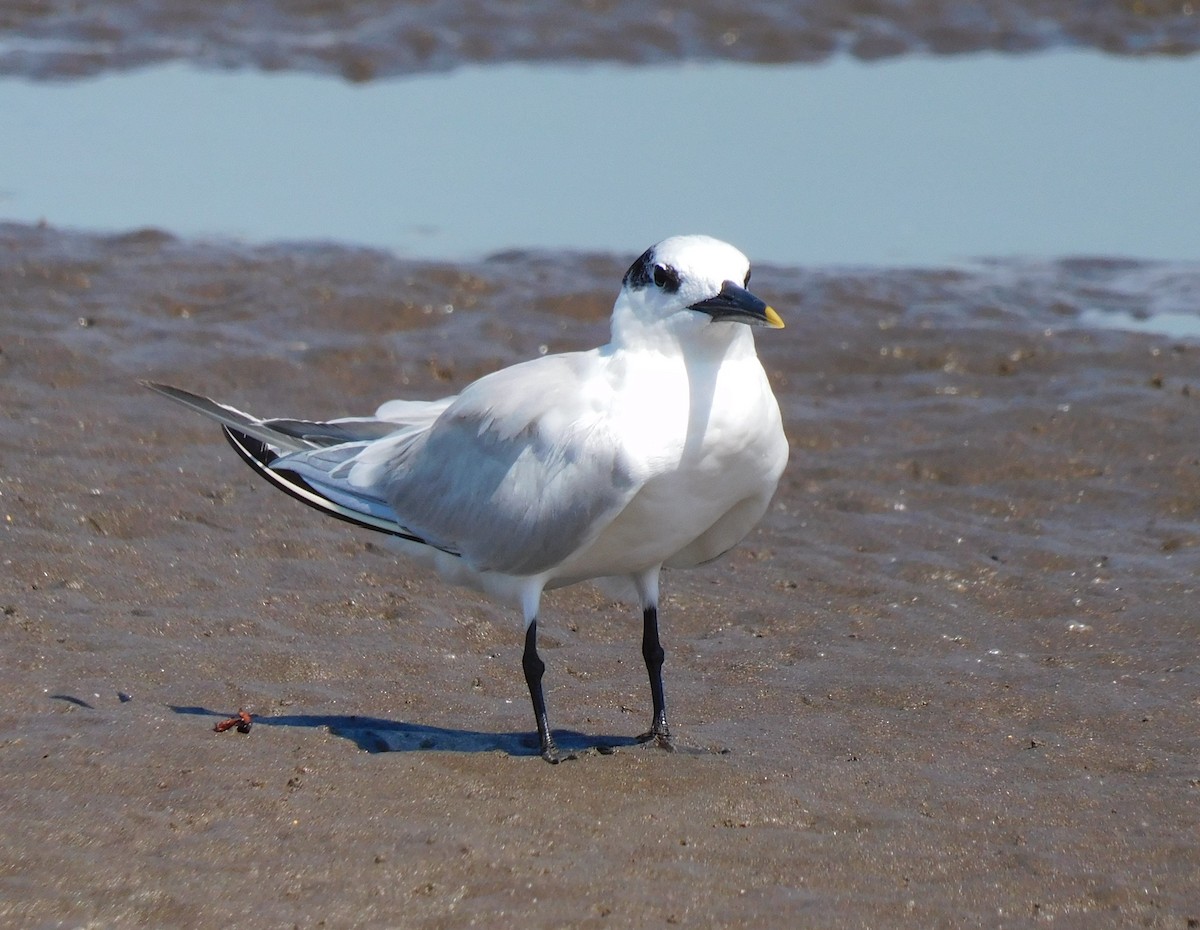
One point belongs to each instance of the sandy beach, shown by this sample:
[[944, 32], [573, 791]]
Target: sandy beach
[[951, 681]]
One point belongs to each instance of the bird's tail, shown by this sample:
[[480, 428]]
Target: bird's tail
[[260, 443]]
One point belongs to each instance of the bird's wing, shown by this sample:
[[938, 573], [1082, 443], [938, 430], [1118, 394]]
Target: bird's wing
[[515, 474], [283, 435], [330, 449], [521, 469], [231, 417]]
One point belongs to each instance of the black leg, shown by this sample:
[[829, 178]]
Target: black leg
[[534, 668], [652, 652]]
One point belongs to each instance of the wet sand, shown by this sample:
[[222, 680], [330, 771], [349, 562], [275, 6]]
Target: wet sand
[[56, 39], [952, 681]]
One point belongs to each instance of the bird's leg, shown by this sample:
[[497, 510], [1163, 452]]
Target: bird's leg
[[534, 668], [652, 652]]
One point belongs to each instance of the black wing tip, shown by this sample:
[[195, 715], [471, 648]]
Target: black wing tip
[[163, 388], [157, 386], [254, 452], [259, 456]]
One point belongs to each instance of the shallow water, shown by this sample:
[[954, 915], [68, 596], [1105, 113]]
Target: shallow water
[[909, 162]]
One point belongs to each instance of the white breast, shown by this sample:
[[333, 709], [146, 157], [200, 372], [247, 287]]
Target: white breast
[[709, 438]]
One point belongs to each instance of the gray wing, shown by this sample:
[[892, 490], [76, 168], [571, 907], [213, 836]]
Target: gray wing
[[323, 450], [515, 474], [520, 471], [289, 435]]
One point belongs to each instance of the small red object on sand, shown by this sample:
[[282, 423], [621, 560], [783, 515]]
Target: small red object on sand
[[242, 721]]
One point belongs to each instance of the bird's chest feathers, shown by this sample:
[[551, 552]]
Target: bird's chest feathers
[[690, 423]]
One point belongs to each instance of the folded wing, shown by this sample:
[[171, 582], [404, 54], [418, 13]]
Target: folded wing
[[262, 444], [515, 474], [522, 470]]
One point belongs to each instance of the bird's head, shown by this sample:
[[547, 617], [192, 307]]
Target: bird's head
[[689, 285]]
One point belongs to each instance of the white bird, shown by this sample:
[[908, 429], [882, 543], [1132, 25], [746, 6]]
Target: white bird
[[660, 449]]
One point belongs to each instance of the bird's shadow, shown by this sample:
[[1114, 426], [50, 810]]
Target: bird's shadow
[[374, 734]]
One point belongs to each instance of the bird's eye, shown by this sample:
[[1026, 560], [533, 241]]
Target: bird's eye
[[665, 277], [746, 283]]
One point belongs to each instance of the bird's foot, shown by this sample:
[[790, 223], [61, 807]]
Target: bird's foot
[[552, 754], [660, 736]]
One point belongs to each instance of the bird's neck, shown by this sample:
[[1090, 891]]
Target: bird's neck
[[683, 337]]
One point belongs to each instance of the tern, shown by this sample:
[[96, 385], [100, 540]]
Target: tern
[[661, 449]]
